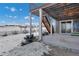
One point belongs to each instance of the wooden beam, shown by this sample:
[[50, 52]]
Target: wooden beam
[[42, 7]]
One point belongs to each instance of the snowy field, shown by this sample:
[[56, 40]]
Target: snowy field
[[10, 46], [12, 41], [32, 49], [9, 42], [10, 29]]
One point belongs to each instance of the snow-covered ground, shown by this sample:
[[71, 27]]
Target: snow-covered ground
[[10, 46], [32, 49], [12, 41], [9, 42]]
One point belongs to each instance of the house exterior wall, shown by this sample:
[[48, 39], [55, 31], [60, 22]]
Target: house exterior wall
[[57, 26]]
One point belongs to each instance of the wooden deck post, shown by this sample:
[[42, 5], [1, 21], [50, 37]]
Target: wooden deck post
[[30, 19], [40, 24]]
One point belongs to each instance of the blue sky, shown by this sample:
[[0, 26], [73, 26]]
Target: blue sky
[[15, 13]]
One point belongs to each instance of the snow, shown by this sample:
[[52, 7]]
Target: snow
[[10, 42], [32, 49], [10, 45]]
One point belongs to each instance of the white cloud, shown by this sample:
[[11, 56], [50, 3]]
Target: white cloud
[[7, 7], [10, 16], [2, 21], [20, 10], [13, 9], [27, 17], [15, 16], [33, 18], [26, 23], [35, 23]]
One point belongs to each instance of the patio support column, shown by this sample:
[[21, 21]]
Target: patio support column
[[40, 24], [59, 27], [51, 26], [72, 26], [30, 19]]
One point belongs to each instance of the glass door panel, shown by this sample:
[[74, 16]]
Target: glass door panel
[[65, 27], [68, 27]]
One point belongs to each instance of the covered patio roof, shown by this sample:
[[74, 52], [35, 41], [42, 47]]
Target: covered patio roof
[[60, 11]]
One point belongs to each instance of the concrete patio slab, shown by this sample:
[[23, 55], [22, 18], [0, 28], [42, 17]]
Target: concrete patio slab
[[62, 40]]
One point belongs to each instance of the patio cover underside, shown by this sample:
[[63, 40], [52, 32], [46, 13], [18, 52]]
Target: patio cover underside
[[62, 11]]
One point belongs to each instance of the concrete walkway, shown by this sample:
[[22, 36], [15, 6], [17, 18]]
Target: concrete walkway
[[62, 40]]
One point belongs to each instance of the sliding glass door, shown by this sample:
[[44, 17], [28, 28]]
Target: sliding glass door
[[63, 27], [76, 26], [66, 27]]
